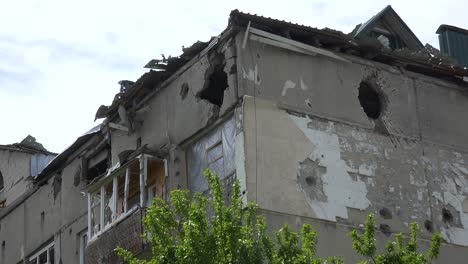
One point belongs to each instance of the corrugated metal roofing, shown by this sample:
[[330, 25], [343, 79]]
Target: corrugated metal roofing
[[453, 41]]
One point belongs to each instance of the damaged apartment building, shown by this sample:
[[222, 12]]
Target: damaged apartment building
[[318, 126]]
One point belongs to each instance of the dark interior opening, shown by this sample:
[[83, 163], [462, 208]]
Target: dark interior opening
[[385, 213], [429, 226], [447, 215], [97, 170], [215, 86], [370, 100], [1, 180]]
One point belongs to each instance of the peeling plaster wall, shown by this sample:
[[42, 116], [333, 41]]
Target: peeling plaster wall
[[15, 168], [312, 151], [304, 166]]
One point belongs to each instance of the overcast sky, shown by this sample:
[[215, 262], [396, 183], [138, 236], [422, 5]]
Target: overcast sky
[[60, 60]]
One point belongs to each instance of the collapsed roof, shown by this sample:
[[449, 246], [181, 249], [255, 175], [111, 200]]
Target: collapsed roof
[[411, 54]]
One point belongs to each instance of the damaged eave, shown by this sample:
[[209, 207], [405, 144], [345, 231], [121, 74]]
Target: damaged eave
[[64, 156], [278, 41], [153, 81], [334, 41]]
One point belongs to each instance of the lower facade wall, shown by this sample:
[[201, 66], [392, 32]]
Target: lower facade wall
[[333, 239]]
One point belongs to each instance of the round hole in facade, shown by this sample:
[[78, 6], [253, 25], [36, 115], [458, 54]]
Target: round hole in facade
[[429, 226], [447, 215], [310, 181], [385, 213], [370, 100]]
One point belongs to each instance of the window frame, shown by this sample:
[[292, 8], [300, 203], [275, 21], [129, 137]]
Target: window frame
[[42, 250], [113, 177]]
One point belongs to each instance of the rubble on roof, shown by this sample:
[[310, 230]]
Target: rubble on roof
[[160, 70], [424, 60]]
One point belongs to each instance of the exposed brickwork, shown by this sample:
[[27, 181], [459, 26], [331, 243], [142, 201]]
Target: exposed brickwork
[[126, 234]]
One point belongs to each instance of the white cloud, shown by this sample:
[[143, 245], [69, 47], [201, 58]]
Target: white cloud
[[60, 59]]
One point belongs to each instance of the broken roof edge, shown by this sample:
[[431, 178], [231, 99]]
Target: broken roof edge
[[239, 20], [62, 157], [214, 42]]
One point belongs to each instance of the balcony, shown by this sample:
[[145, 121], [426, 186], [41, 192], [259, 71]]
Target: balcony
[[126, 232]]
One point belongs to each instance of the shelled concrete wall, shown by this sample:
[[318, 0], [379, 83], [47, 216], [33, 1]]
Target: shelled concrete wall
[[312, 153]]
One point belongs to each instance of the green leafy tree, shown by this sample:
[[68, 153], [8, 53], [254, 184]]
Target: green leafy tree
[[201, 230], [397, 251]]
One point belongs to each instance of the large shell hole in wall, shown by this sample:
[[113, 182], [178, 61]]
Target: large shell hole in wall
[[370, 100], [216, 81], [447, 215]]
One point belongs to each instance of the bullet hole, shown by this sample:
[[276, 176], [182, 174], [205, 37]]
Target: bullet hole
[[370, 100], [3, 243], [385, 213], [310, 181], [243, 192], [42, 219], [70, 231], [233, 69], [447, 215], [429, 226], [258, 56], [385, 229], [216, 81], [184, 90]]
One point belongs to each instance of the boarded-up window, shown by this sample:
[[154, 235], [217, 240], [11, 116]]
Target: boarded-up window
[[155, 180], [214, 151]]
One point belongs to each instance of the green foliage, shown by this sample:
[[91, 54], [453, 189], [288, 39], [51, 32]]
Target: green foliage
[[397, 251], [201, 230], [213, 230]]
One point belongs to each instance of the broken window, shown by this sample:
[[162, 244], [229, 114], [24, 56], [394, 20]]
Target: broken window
[[95, 207], [117, 194], [43, 256], [134, 185], [155, 181], [120, 209], [387, 39], [109, 209], [214, 151], [83, 241], [370, 100]]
